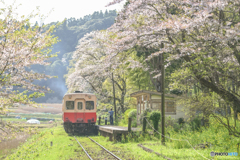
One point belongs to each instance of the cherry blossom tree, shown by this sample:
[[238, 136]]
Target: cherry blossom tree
[[92, 66], [204, 34], [21, 46]]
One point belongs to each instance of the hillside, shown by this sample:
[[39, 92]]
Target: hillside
[[69, 32]]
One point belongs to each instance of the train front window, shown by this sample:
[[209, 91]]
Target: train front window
[[80, 105], [69, 105], [89, 105]]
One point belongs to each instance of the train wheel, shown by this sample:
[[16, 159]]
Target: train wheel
[[65, 127], [95, 130], [68, 127]]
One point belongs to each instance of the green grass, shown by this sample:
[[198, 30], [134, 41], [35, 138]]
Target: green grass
[[128, 151], [14, 120], [65, 146], [176, 147], [185, 153], [34, 115], [38, 147]]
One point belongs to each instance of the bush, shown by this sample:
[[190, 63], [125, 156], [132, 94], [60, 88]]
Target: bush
[[176, 127], [169, 121], [146, 113], [181, 121], [133, 114], [155, 117], [126, 114], [195, 124]]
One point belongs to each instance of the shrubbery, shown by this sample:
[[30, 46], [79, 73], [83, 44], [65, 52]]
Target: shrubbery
[[181, 121], [126, 115], [133, 114], [169, 121], [155, 117], [195, 124], [146, 113]]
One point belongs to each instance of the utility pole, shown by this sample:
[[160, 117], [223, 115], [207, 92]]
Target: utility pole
[[163, 97], [114, 102]]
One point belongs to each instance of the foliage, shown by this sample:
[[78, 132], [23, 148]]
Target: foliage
[[22, 46], [139, 78], [145, 113], [125, 116], [181, 121], [176, 147], [204, 141], [203, 40], [38, 147], [155, 117], [95, 70], [195, 123], [69, 33], [169, 121], [133, 114]]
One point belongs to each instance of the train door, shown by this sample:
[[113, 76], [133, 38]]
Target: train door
[[79, 111]]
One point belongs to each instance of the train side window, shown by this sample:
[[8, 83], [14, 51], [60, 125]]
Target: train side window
[[80, 105], [89, 105], [69, 105]]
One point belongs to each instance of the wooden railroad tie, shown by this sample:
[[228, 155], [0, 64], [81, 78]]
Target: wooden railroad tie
[[149, 150]]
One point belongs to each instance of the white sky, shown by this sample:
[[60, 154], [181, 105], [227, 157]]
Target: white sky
[[63, 8]]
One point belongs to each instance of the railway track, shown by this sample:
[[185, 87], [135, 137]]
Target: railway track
[[110, 153]]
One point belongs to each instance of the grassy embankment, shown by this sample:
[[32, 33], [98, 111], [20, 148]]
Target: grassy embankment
[[213, 138], [11, 138], [65, 147], [42, 115], [184, 142], [12, 118]]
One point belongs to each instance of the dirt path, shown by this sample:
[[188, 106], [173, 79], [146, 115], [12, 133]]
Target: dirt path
[[8, 144]]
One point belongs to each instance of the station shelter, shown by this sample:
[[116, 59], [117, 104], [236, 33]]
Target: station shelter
[[152, 100]]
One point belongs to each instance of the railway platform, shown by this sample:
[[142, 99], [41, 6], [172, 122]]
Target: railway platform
[[115, 132]]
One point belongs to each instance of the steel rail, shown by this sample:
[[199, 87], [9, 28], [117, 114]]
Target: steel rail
[[105, 149], [83, 149]]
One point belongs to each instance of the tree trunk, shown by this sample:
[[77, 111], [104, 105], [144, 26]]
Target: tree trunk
[[114, 98], [122, 102], [225, 94]]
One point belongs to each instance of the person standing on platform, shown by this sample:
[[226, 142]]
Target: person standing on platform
[[111, 116]]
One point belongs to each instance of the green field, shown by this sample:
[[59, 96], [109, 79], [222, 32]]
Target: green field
[[65, 146], [181, 143], [33, 115]]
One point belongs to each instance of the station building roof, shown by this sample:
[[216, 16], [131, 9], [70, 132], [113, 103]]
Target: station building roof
[[145, 92]]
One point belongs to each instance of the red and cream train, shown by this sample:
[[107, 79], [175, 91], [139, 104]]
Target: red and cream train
[[79, 113]]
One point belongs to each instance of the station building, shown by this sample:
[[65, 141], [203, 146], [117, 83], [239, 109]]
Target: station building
[[152, 100]]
